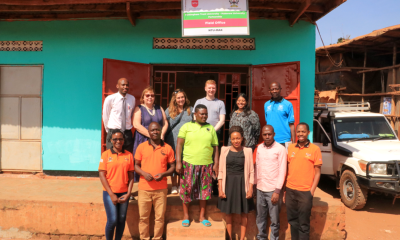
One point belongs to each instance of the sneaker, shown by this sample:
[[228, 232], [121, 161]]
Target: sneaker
[[174, 190]]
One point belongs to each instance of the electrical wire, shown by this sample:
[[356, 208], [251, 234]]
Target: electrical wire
[[338, 65]]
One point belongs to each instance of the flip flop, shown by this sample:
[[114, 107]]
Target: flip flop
[[187, 222], [206, 223]]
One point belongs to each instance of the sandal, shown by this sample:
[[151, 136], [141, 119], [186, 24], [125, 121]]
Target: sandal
[[187, 222], [206, 223]]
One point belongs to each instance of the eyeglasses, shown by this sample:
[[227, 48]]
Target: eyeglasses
[[149, 95], [118, 139]]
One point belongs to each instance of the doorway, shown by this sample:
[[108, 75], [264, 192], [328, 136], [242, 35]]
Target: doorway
[[231, 81], [21, 118]]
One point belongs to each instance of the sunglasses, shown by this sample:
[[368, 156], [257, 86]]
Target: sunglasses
[[177, 91], [118, 139], [149, 95]]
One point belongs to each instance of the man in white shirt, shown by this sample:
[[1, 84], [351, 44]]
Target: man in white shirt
[[117, 114]]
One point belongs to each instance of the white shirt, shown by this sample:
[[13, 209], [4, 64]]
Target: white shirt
[[112, 111]]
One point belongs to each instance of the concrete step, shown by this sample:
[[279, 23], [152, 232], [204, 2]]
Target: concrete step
[[196, 230]]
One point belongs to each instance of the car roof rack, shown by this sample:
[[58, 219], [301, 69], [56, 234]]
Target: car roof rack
[[343, 107]]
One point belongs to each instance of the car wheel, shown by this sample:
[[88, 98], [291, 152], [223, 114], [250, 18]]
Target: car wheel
[[353, 196]]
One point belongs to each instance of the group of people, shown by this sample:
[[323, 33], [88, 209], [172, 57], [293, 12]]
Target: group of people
[[184, 142]]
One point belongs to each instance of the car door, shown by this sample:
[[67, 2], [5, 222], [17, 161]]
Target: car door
[[323, 141]]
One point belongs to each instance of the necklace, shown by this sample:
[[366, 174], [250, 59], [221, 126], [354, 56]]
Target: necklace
[[153, 111]]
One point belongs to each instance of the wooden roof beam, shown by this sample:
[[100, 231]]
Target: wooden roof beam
[[283, 7], [58, 16], [130, 15], [92, 7], [84, 16], [293, 19], [330, 6], [68, 2], [147, 7]]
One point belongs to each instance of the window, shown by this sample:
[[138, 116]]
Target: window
[[363, 128]]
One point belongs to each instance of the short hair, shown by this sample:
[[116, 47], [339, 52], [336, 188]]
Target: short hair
[[270, 126], [238, 129], [123, 78], [117, 131], [148, 89], [210, 82], [154, 123], [304, 124], [278, 83], [199, 106]]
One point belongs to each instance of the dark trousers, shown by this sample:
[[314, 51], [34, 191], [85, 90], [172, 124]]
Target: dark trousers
[[128, 143], [298, 208], [215, 180], [116, 216]]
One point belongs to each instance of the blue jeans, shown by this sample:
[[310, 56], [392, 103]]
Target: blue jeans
[[116, 216]]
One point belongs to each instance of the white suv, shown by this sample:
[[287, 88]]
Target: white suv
[[359, 149]]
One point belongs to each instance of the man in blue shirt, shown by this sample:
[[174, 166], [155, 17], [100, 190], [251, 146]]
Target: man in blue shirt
[[279, 114]]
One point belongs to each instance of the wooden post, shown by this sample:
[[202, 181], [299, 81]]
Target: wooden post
[[394, 62], [393, 110], [363, 77]]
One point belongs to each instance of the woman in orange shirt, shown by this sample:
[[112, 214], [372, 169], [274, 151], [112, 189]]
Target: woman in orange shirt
[[116, 174]]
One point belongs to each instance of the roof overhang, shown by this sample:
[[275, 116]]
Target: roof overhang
[[291, 10], [380, 41]]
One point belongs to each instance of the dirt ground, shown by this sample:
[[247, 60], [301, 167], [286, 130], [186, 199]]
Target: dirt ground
[[379, 219]]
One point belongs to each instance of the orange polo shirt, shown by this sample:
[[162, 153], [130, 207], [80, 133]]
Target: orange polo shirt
[[117, 167], [154, 161], [301, 169]]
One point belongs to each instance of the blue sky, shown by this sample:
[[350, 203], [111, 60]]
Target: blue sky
[[356, 18]]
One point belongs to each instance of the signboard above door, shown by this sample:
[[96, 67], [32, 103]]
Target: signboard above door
[[215, 18]]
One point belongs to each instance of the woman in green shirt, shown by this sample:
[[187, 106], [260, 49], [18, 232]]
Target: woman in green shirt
[[199, 142]]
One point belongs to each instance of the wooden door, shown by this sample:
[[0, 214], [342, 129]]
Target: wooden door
[[287, 74], [138, 75], [21, 118], [164, 85]]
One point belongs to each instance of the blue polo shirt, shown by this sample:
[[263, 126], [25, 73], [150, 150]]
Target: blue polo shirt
[[279, 115]]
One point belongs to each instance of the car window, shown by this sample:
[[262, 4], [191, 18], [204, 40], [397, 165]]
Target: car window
[[363, 128]]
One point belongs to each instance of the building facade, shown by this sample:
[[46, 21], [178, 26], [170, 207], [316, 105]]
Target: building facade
[[72, 73]]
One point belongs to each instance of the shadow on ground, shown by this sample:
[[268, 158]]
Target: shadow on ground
[[376, 203]]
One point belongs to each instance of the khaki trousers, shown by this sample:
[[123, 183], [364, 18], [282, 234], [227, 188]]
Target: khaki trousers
[[147, 199]]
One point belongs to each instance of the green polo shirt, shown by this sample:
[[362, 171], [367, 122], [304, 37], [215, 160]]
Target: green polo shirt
[[199, 143]]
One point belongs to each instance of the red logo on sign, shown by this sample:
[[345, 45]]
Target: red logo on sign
[[195, 3]]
